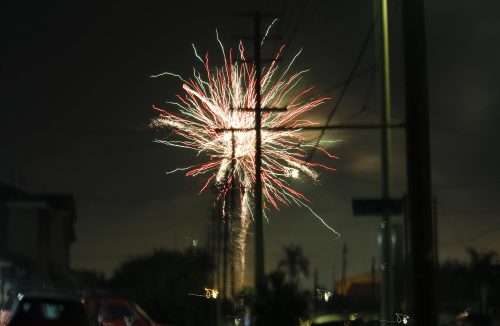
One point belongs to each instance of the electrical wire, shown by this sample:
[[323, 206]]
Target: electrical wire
[[364, 106], [361, 53], [347, 83]]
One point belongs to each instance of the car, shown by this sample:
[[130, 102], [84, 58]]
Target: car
[[114, 311], [47, 309], [4, 316]]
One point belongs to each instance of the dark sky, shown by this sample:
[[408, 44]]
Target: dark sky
[[76, 101]]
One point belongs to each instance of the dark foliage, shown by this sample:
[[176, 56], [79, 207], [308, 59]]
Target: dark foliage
[[474, 284], [281, 303], [161, 284], [295, 263]]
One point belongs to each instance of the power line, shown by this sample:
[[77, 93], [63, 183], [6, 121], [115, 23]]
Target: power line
[[455, 213], [470, 185], [364, 106], [348, 81], [370, 69], [486, 233], [466, 134], [295, 29], [344, 88]]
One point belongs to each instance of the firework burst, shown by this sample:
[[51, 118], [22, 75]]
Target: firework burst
[[216, 119]]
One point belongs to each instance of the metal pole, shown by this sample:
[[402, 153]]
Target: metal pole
[[216, 244], [224, 257], [385, 139], [213, 245], [420, 220], [343, 270], [259, 237], [228, 235]]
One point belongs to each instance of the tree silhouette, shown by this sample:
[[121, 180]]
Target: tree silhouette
[[295, 263], [481, 265], [281, 304], [161, 283]]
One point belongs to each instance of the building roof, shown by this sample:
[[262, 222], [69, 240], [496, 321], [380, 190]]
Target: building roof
[[60, 203]]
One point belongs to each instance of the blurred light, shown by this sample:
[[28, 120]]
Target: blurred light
[[211, 293], [324, 295], [401, 318]]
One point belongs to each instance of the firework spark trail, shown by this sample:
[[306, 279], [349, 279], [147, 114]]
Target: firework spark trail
[[241, 237], [217, 120]]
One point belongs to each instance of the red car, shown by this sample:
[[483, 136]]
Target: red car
[[110, 311], [4, 316]]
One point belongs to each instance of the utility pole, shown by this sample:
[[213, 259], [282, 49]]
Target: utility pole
[[259, 236], [373, 297], [420, 218], [333, 276], [213, 242], [343, 269], [315, 280], [218, 305], [259, 276], [229, 213], [213, 247], [227, 226], [386, 266]]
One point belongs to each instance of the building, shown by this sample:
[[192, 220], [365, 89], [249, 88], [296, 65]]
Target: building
[[36, 231], [362, 287]]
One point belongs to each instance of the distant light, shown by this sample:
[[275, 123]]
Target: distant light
[[211, 293], [292, 173], [402, 318], [324, 295]]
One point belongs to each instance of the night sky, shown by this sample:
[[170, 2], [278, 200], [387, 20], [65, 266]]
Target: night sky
[[76, 101]]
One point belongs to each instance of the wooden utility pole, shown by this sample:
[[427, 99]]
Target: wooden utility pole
[[420, 220], [258, 216]]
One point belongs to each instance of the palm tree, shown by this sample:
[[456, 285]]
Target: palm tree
[[295, 262], [481, 267]]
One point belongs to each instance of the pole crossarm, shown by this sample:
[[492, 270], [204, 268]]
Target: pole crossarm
[[262, 109], [316, 128]]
